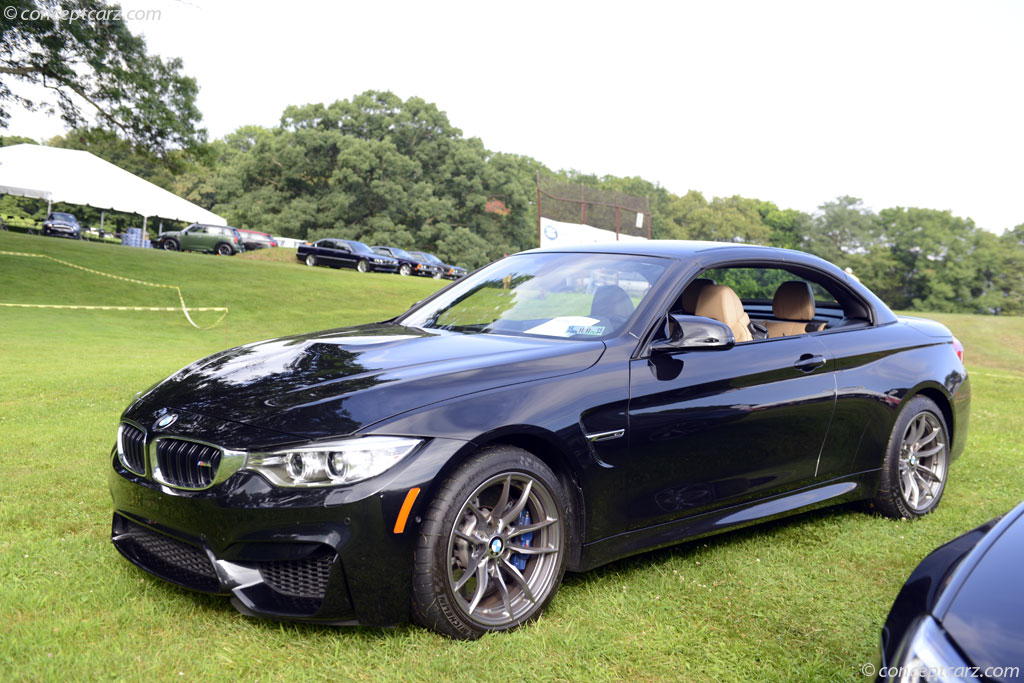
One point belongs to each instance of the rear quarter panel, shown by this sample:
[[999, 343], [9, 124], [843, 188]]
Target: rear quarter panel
[[877, 370]]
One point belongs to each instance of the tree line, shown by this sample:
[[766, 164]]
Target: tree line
[[387, 171]]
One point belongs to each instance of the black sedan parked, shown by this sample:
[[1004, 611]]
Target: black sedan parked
[[557, 409], [408, 263], [958, 616], [447, 272], [338, 253]]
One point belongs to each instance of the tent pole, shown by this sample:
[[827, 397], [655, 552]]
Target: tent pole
[[49, 206], [102, 213]]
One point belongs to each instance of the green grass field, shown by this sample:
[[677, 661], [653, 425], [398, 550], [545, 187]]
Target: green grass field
[[799, 599]]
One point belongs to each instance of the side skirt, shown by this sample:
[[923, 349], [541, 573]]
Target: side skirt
[[842, 490]]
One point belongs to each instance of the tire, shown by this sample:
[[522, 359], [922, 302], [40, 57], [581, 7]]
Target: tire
[[224, 249], [460, 529], [916, 463], [405, 269], [363, 266], [437, 276], [171, 244], [310, 260]]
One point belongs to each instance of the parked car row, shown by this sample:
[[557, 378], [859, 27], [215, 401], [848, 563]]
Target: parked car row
[[339, 253]]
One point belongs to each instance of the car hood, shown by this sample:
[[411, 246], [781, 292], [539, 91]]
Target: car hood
[[984, 617], [336, 382]]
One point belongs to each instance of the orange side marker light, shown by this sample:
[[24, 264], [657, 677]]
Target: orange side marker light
[[403, 514]]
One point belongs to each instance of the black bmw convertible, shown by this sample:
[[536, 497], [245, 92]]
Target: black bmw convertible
[[555, 410]]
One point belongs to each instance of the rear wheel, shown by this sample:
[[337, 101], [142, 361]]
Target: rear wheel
[[310, 260], [492, 547], [916, 462], [405, 269], [363, 266], [170, 245], [224, 249]]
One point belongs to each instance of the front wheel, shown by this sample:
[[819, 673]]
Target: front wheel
[[492, 548], [310, 260], [916, 462], [405, 269], [363, 266], [170, 245]]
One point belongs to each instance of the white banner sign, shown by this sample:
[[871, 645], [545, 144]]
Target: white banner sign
[[558, 234]]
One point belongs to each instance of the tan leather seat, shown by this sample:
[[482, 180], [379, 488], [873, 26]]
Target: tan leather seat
[[721, 303], [793, 305], [687, 302]]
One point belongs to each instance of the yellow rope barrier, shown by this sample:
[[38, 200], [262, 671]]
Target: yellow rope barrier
[[184, 309]]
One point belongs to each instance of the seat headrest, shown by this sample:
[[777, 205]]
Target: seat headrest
[[688, 299], [794, 301], [719, 303], [611, 301]]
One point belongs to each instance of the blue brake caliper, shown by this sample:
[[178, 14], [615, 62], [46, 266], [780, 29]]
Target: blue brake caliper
[[518, 559]]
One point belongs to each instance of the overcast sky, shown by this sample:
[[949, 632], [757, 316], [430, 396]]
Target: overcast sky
[[899, 103]]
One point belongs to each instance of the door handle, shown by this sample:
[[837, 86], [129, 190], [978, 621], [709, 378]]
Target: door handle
[[809, 362]]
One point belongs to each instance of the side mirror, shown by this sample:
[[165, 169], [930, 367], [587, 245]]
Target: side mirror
[[693, 332]]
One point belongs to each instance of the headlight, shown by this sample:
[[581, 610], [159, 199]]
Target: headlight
[[332, 463], [927, 655]]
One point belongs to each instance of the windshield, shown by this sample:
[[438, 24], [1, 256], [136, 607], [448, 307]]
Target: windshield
[[429, 258], [567, 295], [359, 247]]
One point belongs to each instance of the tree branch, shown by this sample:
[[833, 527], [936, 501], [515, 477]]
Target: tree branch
[[20, 70]]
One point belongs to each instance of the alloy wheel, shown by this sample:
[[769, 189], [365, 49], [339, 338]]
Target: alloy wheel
[[923, 459], [505, 550]]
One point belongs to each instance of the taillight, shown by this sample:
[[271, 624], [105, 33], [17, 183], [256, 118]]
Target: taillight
[[959, 348]]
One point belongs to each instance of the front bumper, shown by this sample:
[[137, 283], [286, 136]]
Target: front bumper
[[63, 230], [325, 555]]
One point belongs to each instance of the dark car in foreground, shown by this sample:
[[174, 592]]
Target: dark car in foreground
[[62, 224], [409, 263], [447, 272], [338, 253], [958, 617], [211, 239], [556, 410]]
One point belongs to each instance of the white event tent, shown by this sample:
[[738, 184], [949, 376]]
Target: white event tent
[[77, 177]]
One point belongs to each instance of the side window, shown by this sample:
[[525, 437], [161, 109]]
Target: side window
[[773, 302]]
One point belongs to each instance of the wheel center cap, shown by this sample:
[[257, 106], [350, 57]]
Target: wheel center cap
[[496, 545], [913, 461]]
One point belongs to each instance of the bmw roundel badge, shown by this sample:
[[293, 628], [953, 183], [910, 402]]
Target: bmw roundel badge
[[166, 421]]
